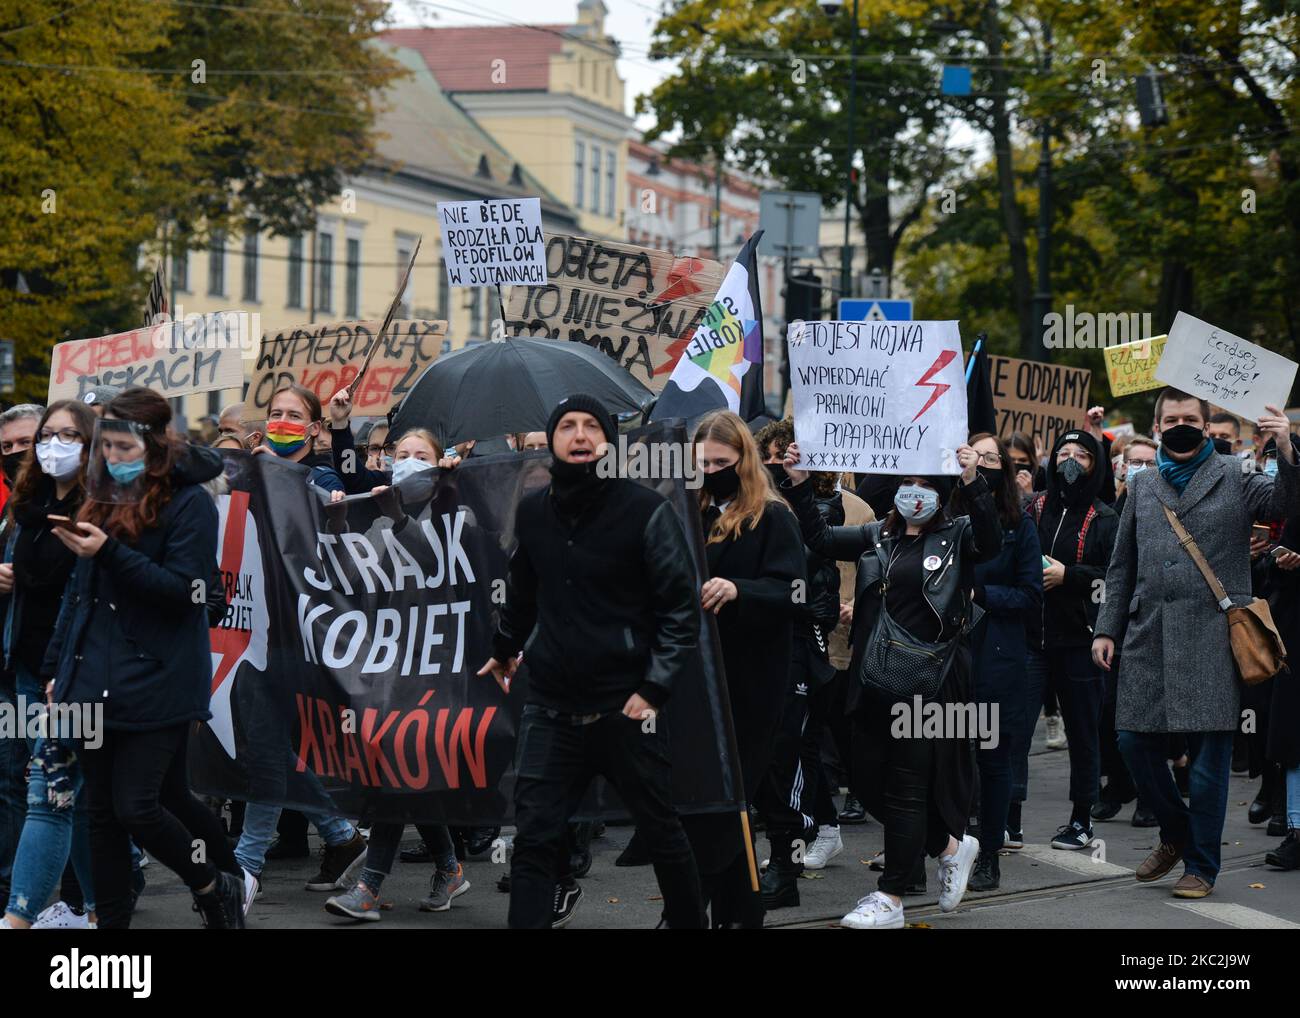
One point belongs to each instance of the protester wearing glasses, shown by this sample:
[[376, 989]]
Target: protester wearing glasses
[[1076, 530], [915, 574], [1008, 587], [36, 570]]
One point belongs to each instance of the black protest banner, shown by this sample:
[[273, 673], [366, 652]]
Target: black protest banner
[[344, 669], [637, 305], [1040, 400]]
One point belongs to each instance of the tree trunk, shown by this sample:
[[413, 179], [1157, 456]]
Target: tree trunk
[[1012, 219]]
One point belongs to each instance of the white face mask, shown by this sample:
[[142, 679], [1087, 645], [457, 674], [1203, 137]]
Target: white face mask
[[403, 469], [59, 459]]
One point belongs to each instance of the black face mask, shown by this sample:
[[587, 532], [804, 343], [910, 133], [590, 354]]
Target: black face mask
[[575, 486], [722, 484], [10, 463], [777, 471], [1181, 439], [1071, 473], [992, 476], [1222, 446]]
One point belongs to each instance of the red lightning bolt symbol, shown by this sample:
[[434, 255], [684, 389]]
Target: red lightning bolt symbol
[[230, 643], [940, 388]]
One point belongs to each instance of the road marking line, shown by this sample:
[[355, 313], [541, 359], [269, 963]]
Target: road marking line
[[1081, 861], [1240, 916]]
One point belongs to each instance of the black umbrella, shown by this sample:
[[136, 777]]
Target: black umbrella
[[497, 388]]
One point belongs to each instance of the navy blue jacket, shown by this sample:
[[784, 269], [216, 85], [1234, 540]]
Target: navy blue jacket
[[1008, 587], [133, 633]]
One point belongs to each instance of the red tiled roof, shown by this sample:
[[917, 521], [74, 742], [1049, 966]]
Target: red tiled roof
[[462, 58]]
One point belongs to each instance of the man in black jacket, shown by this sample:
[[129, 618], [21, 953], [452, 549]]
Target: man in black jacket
[[1077, 531], [602, 595]]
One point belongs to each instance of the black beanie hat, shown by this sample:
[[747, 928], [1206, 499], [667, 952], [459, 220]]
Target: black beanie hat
[[580, 402], [1090, 444]]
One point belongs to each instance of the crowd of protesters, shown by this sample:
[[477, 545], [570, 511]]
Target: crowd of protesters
[[1047, 583]]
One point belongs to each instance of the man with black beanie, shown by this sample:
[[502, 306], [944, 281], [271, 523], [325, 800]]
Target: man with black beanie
[[602, 590], [1076, 529]]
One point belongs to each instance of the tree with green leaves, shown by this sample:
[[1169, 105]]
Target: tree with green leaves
[[119, 118]]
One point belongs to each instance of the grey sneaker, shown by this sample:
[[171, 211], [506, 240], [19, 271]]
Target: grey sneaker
[[358, 903], [442, 888]]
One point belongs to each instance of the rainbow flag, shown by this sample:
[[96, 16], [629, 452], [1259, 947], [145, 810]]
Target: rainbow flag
[[721, 368]]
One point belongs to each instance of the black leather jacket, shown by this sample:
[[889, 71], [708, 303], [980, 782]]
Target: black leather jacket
[[959, 543]]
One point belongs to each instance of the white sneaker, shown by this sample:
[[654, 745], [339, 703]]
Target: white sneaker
[[826, 847], [876, 911], [60, 916], [252, 888], [1056, 733], [954, 872]]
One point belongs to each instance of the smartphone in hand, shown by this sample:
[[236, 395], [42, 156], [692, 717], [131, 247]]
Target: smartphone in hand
[[63, 523]]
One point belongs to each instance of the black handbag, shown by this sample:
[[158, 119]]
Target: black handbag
[[895, 664]]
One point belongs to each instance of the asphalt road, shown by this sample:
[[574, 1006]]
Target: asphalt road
[[1041, 888]]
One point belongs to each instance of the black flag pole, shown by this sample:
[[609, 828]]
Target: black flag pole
[[355, 387]]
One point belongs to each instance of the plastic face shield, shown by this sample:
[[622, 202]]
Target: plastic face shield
[[117, 469]]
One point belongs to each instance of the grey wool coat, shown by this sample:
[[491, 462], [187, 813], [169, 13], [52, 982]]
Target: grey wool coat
[[1176, 670]]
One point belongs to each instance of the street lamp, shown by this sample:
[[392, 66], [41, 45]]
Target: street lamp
[[846, 256]]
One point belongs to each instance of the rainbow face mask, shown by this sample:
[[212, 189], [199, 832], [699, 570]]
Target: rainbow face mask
[[285, 437]]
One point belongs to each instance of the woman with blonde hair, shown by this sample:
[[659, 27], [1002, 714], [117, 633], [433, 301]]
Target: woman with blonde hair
[[756, 572]]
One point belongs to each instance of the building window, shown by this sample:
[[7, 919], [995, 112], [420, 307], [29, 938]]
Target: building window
[[579, 175], [324, 272], [444, 290], [609, 80], [404, 248], [595, 179], [353, 298], [181, 267], [475, 313], [293, 298], [610, 160], [250, 262], [217, 265]]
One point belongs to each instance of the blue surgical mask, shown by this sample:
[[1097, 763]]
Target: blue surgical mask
[[387, 462], [915, 503], [1270, 467], [403, 469], [125, 473], [1133, 470]]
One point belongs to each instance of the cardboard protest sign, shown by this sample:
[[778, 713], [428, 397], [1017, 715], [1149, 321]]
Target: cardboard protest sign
[[1230, 372], [878, 397], [1043, 400], [493, 243], [1131, 367], [638, 305], [325, 357], [174, 359]]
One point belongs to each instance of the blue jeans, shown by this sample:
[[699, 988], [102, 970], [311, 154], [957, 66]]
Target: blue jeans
[[1293, 798], [14, 754], [260, 820], [1195, 826], [48, 837]]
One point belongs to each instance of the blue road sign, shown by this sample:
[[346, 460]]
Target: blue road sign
[[860, 309]]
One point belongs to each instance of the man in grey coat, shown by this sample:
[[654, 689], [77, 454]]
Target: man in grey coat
[[1178, 673]]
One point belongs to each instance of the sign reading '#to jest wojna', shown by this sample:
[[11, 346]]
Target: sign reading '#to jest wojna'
[[878, 397]]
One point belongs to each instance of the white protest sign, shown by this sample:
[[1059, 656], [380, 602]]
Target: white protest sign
[[878, 397], [493, 243], [1224, 369]]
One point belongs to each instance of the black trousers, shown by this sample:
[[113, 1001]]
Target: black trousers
[[137, 787], [780, 797], [904, 802], [555, 759], [817, 799], [1119, 783]]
